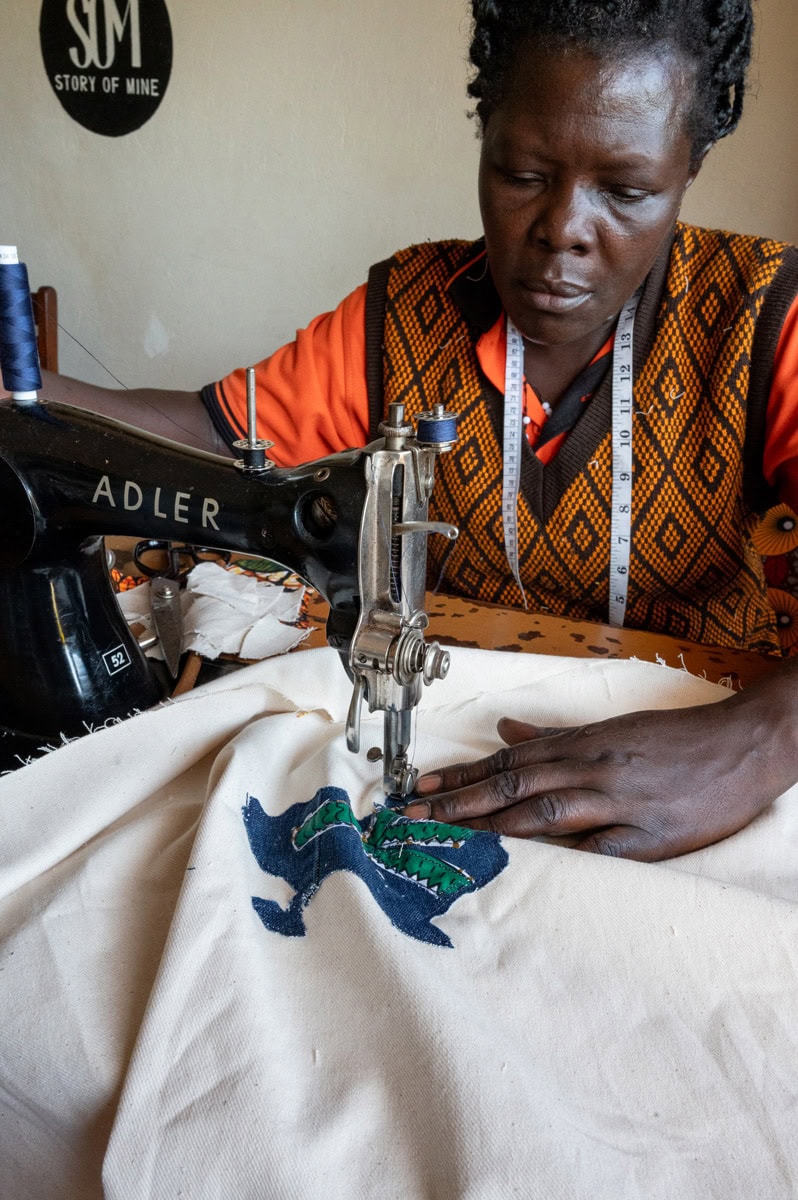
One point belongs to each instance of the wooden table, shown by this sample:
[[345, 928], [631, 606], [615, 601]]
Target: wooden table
[[458, 622], [455, 621]]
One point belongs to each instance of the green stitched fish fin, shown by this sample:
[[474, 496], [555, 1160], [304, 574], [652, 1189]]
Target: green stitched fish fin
[[326, 816], [442, 878], [389, 828]]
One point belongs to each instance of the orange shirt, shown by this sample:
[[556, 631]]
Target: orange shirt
[[312, 398]]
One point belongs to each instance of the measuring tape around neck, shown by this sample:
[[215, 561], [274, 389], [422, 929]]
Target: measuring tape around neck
[[513, 443], [621, 499], [621, 513]]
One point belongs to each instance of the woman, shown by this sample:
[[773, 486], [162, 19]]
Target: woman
[[595, 118]]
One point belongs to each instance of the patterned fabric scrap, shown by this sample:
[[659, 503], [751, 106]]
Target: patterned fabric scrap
[[415, 870]]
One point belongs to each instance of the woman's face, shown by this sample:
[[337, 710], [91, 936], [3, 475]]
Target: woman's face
[[583, 169]]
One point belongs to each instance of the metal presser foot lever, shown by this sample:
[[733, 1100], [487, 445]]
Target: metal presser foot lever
[[389, 659]]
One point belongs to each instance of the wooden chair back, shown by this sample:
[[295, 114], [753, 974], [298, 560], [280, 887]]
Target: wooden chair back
[[45, 314]]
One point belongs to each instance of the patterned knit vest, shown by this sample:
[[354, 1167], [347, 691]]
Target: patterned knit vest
[[705, 335]]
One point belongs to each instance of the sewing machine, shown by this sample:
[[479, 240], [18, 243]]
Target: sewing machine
[[354, 525]]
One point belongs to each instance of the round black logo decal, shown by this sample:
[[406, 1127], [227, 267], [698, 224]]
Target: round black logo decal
[[108, 61]]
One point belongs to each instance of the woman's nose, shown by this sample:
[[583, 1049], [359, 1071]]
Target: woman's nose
[[563, 221]]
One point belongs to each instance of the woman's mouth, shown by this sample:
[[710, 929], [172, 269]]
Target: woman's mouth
[[554, 297]]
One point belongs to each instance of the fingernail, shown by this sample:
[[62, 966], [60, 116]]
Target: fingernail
[[428, 784], [417, 812]]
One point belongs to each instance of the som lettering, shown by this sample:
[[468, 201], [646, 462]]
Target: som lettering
[[113, 23]]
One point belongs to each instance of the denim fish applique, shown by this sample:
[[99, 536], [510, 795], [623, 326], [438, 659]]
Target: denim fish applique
[[415, 870]]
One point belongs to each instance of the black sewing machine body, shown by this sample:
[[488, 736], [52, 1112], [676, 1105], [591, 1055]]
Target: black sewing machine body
[[353, 525], [67, 658]]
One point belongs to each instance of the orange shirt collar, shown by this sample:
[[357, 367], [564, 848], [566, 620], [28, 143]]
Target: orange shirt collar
[[492, 356]]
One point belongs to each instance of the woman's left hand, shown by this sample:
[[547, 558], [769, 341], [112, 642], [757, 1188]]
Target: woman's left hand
[[647, 785]]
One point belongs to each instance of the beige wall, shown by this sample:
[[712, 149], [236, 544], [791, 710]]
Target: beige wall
[[749, 182], [299, 141]]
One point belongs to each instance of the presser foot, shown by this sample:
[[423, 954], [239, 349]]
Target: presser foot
[[400, 780]]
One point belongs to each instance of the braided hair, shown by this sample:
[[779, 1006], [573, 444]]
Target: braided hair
[[713, 35]]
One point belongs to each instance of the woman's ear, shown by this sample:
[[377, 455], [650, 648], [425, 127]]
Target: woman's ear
[[697, 164]]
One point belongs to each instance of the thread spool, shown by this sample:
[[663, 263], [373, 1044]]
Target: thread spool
[[436, 428], [19, 353]]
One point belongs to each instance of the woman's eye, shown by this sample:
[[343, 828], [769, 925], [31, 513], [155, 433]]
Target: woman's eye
[[627, 195], [521, 179]]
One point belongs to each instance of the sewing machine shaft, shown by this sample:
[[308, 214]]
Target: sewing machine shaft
[[389, 659]]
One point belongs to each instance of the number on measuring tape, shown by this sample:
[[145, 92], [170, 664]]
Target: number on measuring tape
[[513, 434], [621, 500]]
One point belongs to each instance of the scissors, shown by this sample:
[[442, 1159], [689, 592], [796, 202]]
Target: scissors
[[180, 559], [165, 585]]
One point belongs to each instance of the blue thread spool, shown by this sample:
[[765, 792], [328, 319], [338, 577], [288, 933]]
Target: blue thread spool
[[437, 427], [19, 354]]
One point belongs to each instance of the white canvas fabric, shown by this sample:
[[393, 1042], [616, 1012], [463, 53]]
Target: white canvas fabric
[[565, 1026]]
